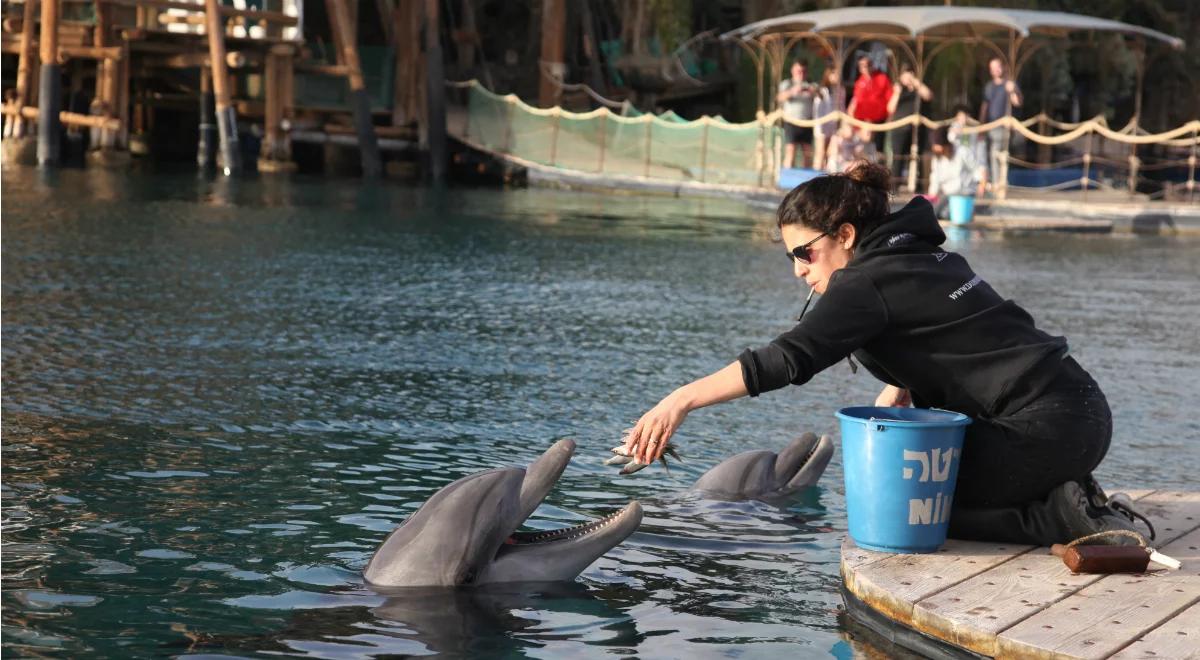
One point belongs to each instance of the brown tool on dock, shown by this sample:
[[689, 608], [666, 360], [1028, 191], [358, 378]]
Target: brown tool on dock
[[1103, 558], [1110, 558]]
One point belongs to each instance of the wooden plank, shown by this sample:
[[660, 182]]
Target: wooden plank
[[892, 585], [199, 7], [1102, 618], [1174, 513], [1177, 638], [972, 613]]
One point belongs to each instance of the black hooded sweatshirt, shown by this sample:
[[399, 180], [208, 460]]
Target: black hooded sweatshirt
[[916, 317]]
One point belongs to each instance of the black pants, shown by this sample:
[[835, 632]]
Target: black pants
[[1011, 463]]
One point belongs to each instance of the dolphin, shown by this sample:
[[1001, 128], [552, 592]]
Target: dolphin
[[760, 474], [466, 533]]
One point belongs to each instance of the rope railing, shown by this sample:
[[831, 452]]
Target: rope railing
[[754, 145]]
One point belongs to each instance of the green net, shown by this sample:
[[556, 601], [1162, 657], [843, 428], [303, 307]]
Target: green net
[[666, 147]]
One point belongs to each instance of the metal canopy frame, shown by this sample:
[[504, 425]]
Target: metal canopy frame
[[922, 33]]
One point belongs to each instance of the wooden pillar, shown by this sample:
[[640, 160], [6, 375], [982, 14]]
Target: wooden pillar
[[49, 88], [360, 102], [226, 118], [551, 68], [276, 154], [26, 64], [122, 95], [206, 147], [409, 92], [435, 93]]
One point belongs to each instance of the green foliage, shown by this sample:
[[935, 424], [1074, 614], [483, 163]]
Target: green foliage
[[672, 22]]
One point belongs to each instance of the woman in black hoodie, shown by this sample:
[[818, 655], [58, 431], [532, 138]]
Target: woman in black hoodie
[[938, 335]]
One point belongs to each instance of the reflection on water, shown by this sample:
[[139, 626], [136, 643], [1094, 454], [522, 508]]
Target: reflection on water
[[220, 396]]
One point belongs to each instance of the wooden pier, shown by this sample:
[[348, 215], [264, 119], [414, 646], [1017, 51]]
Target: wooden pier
[[1013, 601], [238, 73]]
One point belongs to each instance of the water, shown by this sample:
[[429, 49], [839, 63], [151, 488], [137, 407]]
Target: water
[[219, 397]]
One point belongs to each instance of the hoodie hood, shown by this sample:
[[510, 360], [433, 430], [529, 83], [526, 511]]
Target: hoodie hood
[[914, 223]]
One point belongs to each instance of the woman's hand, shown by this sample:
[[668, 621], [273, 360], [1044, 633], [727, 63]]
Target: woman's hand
[[647, 440], [893, 397]]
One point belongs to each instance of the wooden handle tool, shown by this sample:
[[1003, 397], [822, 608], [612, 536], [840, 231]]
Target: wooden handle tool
[[1103, 558]]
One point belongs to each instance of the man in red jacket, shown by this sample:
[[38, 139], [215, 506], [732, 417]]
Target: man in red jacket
[[872, 91]]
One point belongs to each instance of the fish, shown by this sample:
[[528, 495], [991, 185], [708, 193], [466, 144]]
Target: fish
[[631, 465]]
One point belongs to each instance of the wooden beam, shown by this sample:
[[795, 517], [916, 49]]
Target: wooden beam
[[89, 52], [68, 118], [269, 16], [339, 70]]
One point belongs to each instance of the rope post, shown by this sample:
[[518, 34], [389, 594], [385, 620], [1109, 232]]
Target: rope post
[[760, 147], [913, 156], [649, 125], [704, 149], [1002, 189], [508, 106], [1087, 165], [1133, 169], [557, 114], [1191, 182], [603, 139]]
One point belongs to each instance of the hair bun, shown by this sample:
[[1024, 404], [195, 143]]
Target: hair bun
[[870, 174]]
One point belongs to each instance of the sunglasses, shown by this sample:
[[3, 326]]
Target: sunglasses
[[803, 253]]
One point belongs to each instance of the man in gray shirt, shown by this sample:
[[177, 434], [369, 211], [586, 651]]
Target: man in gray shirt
[[796, 96], [1000, 96]]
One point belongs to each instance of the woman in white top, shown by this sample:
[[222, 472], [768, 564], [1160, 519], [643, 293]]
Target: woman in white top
[[954, 171]]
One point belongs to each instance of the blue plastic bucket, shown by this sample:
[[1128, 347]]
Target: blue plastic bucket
[[900, 466], [962, 209]]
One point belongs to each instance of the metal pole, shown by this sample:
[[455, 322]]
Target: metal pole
[[49, 88], [231, 156]]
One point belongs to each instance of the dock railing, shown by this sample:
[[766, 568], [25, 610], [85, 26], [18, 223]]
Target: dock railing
[[711, 150]]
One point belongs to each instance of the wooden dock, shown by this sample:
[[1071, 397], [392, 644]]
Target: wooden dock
[[1015, 601]]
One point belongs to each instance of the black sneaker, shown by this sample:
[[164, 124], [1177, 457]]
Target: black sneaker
[[1117, 503], [1078, 516]]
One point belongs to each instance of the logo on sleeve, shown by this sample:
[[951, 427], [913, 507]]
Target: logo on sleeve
[[940, 256], [971, 284]]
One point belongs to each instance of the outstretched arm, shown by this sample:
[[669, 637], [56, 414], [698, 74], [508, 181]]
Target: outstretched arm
[[648, 438]]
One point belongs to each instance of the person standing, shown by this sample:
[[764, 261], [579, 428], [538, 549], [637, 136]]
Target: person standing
[[796, 96], [1000, 96], [830, 97], [904, 105], [873, 89]]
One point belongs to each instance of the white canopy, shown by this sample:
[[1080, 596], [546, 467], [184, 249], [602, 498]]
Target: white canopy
[[940, 22]]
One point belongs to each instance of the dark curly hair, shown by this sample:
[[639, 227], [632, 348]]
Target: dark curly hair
[[858, 196]]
